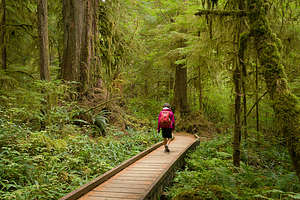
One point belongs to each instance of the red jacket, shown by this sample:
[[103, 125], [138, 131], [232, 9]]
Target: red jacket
[[172, 125]]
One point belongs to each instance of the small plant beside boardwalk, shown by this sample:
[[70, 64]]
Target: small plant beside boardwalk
[[265, 173]]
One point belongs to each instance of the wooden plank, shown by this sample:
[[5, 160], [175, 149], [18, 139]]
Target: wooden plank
[[136, 178], [115, 195], [142, 182], [143, 169], [122, 189], [122, 185], [104, 198], [144, 175]]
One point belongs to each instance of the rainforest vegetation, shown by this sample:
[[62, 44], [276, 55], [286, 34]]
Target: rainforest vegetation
[[82, 82]]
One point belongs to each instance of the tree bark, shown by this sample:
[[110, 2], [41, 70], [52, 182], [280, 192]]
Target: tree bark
[[242, 47], [79, 58], [237, 75], [200, 90], [285, 104], [95, 56], [42, 12], [256, 97], [86, 48], [180, 93], [88, 61], [200, 82], [3, 35], [237, 115], [73, 26]]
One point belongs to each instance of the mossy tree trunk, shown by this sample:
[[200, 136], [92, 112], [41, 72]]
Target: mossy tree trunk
[[241, 54], [42, 12], [3, 35], [237, 116], [86, 48], [180, 89], [285, 104], [237, 75], [200, 89], [256, 98], [80, 36], [88, 61], [73, 25]]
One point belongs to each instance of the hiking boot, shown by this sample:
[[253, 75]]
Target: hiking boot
[[167, 149]]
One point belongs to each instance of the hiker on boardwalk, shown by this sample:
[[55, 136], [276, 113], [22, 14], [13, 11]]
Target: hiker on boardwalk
[[166, 123]]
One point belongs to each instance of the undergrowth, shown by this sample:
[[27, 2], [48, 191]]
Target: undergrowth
[[47, 150], [39, 165], [210, 174]]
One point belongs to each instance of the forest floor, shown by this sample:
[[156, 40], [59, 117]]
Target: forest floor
[[196, 123]]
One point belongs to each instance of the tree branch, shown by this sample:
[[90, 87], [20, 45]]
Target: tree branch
[[101, 104], [234, 13], [258, 100]]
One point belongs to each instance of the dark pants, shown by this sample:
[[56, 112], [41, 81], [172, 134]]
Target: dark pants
[[166, 132]]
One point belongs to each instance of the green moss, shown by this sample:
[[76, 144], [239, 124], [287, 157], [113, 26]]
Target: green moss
[[285, 104], [244, 37]]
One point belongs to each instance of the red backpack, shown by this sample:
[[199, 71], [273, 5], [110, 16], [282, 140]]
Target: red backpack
[[165, 120]]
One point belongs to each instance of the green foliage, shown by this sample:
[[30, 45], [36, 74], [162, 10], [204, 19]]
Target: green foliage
[[145, 108], [210, 174], [39, 165], [217, 104], [39, 103]]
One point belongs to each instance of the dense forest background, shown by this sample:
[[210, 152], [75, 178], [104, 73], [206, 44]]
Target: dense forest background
[[82, 82]]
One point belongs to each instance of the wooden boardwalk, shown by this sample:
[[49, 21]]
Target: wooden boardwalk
[[146, 177]]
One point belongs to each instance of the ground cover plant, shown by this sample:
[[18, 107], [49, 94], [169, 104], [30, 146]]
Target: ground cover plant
[[39, 165], [265, 173]]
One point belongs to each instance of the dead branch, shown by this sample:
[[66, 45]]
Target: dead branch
[[220, 13]]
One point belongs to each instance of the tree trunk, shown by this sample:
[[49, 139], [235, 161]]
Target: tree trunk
[[86, 48], [285, 104], [79, 59], [88, 61], [200, 81], [3, 35], [95, 53], [42, 12], [244, 75], [200, 90], [73, 26], [256, 97], [237, 118], [180, 93], [242, 47], [237, 75]]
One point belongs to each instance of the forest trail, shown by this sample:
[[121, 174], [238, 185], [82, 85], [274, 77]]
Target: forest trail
[[145, 178]]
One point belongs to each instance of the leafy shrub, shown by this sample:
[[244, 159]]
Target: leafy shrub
[[210, 174], [39, 165], [217, 104]]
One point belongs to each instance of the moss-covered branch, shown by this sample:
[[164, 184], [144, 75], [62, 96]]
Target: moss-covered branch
[[233, 13]]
